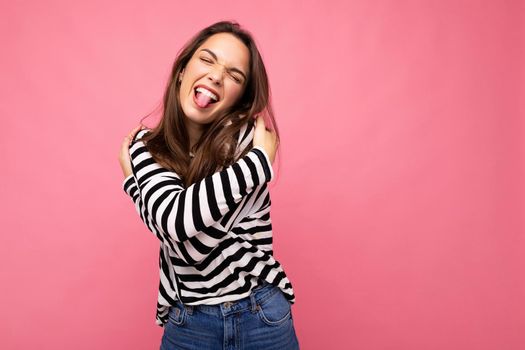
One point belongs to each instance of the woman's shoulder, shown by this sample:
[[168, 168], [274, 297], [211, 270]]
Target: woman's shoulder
[[144, 131], [244, 139], [140, 134]]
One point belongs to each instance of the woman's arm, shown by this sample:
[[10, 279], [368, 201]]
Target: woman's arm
[[201, 245], [180, 213], [188, 250], [130, 187]]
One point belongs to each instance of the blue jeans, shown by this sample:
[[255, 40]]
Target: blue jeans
[[262, 320]]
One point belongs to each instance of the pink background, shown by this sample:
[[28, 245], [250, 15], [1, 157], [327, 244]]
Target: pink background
[[398, 209]]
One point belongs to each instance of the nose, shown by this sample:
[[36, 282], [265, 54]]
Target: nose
[[216, 75]]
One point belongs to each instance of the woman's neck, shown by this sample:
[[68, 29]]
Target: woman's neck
[[194, 132]]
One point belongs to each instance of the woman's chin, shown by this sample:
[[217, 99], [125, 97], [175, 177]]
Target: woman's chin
[[198, 117], [201, 116]]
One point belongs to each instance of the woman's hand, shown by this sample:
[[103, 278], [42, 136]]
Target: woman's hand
[[125, 161], [265, 138]]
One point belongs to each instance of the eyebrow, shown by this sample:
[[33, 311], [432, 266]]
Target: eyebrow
[[233, 69]]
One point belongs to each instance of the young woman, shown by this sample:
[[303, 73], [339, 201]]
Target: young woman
[[199, 182]]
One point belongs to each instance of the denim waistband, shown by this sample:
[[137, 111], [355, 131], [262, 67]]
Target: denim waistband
[[251, 302]]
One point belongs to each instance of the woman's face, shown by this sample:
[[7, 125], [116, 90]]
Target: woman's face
[[218, 70]]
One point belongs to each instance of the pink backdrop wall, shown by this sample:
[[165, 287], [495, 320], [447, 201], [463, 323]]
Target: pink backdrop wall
[[398, 211]]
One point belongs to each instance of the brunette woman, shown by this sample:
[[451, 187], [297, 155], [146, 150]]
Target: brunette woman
[[199, 182]]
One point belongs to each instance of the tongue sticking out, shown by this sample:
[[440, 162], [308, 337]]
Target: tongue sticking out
[[202, 100]]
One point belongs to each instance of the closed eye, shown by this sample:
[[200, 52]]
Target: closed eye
[[207, 60], [236, 79]]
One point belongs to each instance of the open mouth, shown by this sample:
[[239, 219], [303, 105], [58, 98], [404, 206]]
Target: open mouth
[[204, 97]]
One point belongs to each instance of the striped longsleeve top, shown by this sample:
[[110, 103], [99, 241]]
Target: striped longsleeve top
[[215, 235]]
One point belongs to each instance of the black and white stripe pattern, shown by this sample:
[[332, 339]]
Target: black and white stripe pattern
[[216, 235]]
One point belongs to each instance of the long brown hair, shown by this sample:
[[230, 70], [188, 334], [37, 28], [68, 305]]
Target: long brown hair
[[169, 141]]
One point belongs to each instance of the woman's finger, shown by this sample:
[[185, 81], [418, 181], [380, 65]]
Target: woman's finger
[[134, 131], [125, 145], [131, 135]]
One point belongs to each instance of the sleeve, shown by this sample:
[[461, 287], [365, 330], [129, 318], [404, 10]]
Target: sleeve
[[129, 185], [182, 213]]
